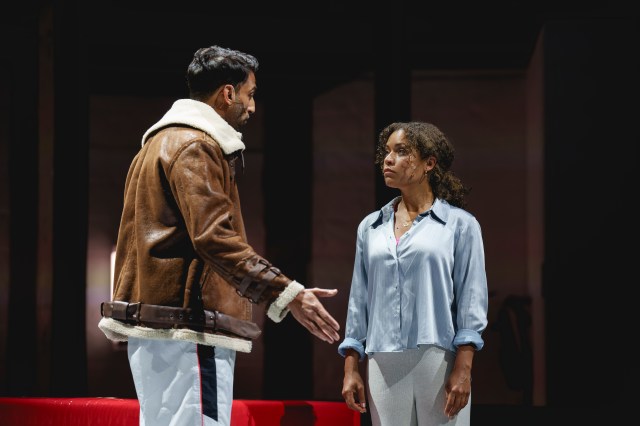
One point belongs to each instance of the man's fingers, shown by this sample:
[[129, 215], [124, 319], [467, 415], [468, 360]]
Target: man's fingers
[[326, 333], [328, 325], [323, 330], [314, 317], [325, 320], [317, 331], [324, 292], [331, 323]]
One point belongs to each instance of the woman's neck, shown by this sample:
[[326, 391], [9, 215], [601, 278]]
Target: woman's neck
[[417, 203]]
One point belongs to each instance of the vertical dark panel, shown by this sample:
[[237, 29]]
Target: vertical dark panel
[[288, 171], [22, 57], [70, 201], [591, 137], [392, 80]]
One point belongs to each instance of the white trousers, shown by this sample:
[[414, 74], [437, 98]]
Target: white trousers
[[182, 383], [407, 388]]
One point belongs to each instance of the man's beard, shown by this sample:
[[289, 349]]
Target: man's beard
[[239, 111]]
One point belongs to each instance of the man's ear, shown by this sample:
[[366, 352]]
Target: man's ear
[[229, 92], [218, 100]]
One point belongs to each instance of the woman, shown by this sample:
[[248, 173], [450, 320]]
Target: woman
[[418, 301]]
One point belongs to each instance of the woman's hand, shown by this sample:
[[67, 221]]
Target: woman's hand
[[458, 385], [353, 390]]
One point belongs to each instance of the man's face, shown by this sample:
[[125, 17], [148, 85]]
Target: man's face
[[244, 105]]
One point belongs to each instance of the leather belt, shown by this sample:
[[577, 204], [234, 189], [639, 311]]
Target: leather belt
[[157, 316]]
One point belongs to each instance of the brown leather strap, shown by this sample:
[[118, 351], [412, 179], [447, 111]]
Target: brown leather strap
[[258, 289], [251, 276], [254, 293], [156, 316]]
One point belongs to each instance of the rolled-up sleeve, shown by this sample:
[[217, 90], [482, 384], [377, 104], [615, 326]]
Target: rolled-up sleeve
[[470, 286], [356, 326]]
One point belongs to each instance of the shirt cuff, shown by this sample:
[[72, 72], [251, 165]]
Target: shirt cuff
[[278, 309], [466, 336], [350, 343]]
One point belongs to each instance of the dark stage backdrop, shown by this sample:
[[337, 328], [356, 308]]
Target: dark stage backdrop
[[542, 112]]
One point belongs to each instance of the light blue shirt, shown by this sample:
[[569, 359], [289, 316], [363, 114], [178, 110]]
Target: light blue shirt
[[429, 288]]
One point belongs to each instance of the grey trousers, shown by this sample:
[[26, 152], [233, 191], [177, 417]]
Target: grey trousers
[[407, 388]]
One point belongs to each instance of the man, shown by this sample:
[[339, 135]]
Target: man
[[185, 276]]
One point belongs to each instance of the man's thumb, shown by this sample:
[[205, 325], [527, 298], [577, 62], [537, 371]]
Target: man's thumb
[[326, 292]]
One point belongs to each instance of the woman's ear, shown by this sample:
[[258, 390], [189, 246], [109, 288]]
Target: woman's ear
[[430, 163]]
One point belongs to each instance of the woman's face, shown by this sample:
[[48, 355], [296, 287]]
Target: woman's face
[[401, 166]]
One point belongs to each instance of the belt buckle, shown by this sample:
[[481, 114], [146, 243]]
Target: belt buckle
[[133, 311], [211, 319], [216, 316]]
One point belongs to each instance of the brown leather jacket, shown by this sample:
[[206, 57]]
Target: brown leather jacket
[[182, 241]]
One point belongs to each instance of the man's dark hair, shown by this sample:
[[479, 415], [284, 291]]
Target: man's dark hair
[[216, 66]]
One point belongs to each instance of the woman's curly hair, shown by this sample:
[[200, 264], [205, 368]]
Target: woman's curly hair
[[428, 141]]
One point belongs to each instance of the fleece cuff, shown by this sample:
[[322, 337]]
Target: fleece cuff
[[278, 309]]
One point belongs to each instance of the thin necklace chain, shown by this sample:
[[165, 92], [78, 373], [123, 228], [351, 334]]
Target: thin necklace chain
[[407, 223]]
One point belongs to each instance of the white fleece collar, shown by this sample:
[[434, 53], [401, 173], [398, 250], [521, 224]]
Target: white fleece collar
[[201, 116]]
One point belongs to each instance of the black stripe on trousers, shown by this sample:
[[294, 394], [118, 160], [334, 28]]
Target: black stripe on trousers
[[208, 381]]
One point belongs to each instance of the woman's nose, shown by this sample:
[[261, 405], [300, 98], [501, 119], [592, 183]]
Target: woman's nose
[[389, 158]]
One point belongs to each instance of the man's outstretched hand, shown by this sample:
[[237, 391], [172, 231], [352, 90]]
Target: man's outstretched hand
[[307, 309]]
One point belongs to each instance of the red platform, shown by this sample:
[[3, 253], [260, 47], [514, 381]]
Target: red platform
[[124, 412]]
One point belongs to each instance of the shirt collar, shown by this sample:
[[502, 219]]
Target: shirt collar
[[439, 210]]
